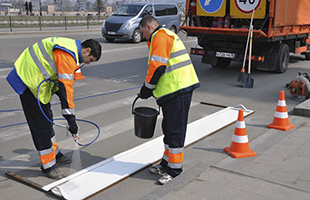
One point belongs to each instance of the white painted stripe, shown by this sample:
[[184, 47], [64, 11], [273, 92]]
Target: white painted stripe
[[281, 103], [240, 139], [101, 175], [6, 69], [240, 124], [282, 115]]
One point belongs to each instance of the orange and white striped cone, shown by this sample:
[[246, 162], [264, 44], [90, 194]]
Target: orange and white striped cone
[[280, 120], [78, 74], [240, 147]]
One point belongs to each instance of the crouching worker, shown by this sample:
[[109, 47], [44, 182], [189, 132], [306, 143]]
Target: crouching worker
[[55, 59], [171, 79]]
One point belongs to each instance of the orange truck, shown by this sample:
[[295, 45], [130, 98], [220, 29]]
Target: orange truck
[[222, 27]]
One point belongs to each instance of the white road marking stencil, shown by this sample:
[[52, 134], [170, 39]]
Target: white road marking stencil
[[103, 174]]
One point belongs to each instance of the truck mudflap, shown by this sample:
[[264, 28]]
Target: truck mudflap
[[223, 59], [193, 31]]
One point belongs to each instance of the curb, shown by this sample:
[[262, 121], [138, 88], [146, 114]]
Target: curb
[[302, 109]]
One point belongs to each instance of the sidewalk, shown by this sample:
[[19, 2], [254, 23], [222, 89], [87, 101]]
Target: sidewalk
[[281, 169]]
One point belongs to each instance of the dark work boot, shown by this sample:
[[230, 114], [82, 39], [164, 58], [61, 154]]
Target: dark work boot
[[53, 174], [63, 160]]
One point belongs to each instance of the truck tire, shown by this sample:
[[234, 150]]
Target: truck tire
[[283, 59], [307, 55], [222, 62], [136, 36]]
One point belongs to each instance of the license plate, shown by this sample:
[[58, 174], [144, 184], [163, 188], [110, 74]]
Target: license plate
[[225, 55], [111, 33]]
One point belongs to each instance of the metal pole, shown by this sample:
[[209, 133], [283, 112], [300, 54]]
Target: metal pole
[[87, 22], [65, 22], [40, 19], [11, 23], [40, 7]]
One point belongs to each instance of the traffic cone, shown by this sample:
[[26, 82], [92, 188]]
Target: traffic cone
[[280, 120], [78, 74], [240, 147]]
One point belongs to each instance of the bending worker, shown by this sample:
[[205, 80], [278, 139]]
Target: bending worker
[[55, 59], [171, 79]]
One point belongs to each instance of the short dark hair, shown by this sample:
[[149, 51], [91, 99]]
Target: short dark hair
[[147, 19], [95, 47]]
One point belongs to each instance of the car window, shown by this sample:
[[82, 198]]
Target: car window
[[148, 10], [161, 10], [128, 10]]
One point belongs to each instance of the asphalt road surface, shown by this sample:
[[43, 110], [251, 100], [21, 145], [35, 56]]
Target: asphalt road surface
[[105, 98]]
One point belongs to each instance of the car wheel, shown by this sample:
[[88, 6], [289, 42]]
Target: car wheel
[[136, 36], [174, 29], [283, 59], [110, 39]]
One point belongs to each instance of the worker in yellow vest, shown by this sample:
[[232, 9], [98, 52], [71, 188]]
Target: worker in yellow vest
[[171, 79], [54, 59]]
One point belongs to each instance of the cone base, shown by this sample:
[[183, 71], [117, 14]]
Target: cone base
[[282, 128], [249, 153], [79, 77]]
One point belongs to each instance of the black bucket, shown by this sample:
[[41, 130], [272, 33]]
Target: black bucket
[[145, 120]]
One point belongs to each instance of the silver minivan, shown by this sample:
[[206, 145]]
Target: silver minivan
[[124, 23]]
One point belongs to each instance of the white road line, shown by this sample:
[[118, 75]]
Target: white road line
[[106, 132], [5, 69]]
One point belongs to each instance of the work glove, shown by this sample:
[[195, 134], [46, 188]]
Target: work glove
[[145, 92], [73, 127]]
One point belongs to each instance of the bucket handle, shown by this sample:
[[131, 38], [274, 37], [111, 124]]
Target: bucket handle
[[134, 102]]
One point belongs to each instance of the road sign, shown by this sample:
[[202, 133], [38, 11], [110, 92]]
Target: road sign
[[244, 8], [214, 8], [247, 6]]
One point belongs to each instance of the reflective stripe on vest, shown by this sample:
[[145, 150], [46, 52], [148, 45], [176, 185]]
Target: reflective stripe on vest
[[179, 73], [66, 76]]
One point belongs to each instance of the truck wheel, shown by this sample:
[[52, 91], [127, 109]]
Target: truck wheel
[[222, 62], [110, 39], [136, 36], [307, 55], [283, 59]]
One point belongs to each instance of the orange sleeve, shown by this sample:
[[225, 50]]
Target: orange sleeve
[[161, 48], [66, 66]]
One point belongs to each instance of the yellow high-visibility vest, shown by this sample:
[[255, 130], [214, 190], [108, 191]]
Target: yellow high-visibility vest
[[179, 73], [37, 63]]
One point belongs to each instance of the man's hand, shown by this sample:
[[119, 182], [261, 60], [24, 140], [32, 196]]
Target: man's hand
[[145, 92]]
